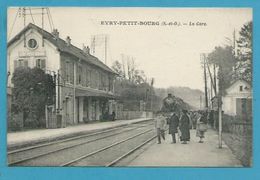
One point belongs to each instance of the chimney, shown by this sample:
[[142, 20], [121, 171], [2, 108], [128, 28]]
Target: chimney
[[68, 40], [55, 33], [86, 49]]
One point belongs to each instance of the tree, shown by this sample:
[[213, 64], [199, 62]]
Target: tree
[[224, 59], [33, 89], [118, 68], [243, 68], [133, 75]]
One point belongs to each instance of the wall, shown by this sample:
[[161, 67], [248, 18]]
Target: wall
[[48, 52], [232, 93], [67, 105]]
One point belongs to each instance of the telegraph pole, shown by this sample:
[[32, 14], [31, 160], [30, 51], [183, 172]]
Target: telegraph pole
[[220, 108], [151, 93], [200, 101], [203, 56]]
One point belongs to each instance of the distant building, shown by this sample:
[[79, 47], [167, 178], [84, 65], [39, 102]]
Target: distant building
[[238, 100], [85, 85]]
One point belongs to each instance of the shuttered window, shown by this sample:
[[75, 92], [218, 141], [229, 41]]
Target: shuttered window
[[88, 77], [67, 72], [79, 74], [20, 63], [71, 70], [84, 72], [110, 85], [41, 63]]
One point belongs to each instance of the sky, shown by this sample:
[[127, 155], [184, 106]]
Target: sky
[[168, 53]]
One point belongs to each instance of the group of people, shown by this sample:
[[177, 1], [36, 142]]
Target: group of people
[[181, 124]]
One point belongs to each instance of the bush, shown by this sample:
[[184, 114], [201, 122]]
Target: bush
[[15, 122]]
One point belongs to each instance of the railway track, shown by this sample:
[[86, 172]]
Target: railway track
[[32, 156], [98, 159]]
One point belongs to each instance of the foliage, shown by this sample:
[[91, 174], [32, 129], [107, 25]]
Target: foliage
[[234, 62], [129, 71], [132, 86], [243, 68], [117, 67], [131, 94], [33, 89], [224, 59]]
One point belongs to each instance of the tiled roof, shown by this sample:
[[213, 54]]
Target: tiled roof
[[63, 47]]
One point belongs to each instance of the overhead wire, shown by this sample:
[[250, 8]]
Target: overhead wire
[[13, 24], [31, 15], [48, 15], [51, 17]]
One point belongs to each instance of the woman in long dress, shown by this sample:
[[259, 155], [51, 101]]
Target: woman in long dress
[[185, 127]]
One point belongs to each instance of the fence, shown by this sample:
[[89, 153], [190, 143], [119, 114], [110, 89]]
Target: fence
[[133, 115], [238, 136], [237, 126]]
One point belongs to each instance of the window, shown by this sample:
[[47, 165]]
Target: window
[[240, 88], [88, 75], [79, 74], [110, 88], [69, 72], [41, 63], [32, 43], [20, 63], [95, 79]]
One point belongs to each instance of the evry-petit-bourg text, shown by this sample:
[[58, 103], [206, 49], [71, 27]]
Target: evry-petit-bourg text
[[152, 23]]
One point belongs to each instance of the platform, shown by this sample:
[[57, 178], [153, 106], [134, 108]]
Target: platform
[[193, 154], [23, 138]]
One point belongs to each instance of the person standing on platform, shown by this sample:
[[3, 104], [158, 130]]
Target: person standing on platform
[[173, 126], [184, 126], [160, 123], [193, 119], [113, 116], [201, 126]]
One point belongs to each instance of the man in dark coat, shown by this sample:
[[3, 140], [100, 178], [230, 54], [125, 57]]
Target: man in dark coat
[[184, 126], [173, 125]]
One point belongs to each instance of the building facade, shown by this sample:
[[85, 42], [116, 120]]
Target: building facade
[[238, 100], [84, 85]]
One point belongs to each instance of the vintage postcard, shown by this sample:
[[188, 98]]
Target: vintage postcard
[[129, 87], [115, 86]]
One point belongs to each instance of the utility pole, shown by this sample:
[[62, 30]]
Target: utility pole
[[146, 99], [203, 56], [200, 101], [215, 79], [220, 108], [151, 93], [106, 49]]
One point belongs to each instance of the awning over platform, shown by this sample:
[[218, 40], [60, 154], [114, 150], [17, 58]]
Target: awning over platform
[[95, 93]]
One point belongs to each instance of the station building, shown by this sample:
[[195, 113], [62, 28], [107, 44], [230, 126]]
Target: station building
[[85, 85]]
